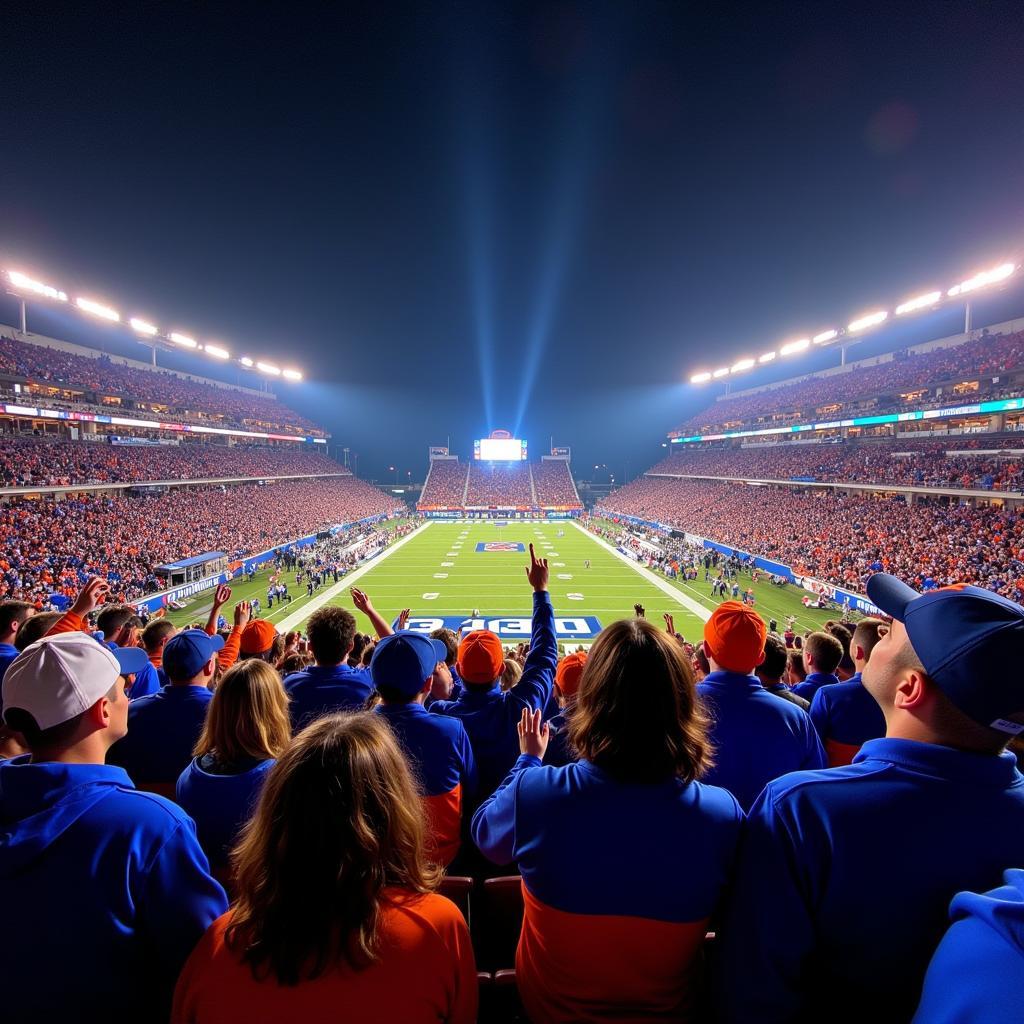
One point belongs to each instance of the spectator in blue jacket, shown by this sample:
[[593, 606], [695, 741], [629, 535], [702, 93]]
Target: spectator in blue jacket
[[757, 737], [567, 685], [822, 655], [846, 874], [121, 870], [491, 716], [330, 685], [977, 973], [12, 615]]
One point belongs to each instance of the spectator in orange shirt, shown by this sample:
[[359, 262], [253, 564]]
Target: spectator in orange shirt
[[336, 910]]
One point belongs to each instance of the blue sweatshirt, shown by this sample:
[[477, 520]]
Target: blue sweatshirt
[[491, 716], [813, 683], [105, 892], [846, 876], [757, 736], [846, 716], [977, 973], [8, 652], [320, 691], [558, 753], [620, 881], [146, 682], [220, 804], [162, 730]]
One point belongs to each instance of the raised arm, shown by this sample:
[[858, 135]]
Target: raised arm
[[363, 604], [534, 688]]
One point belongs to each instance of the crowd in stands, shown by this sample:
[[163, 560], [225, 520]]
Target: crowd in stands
[[499, 483], [179, 396], [987, 359], [896, 461], [446, 484], [29, 462], [553, 483], [50, 546], [839, 539], [251, 844]]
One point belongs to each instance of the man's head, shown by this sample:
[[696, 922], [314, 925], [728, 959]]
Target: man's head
[[947, 669], [402, 666], [734, 638], [67, 691], [331, 632], [119, 624], [12, 615], [771, 670], [822, 653], [866, 634], [258, 639], [568, 676], [481, 658], [451, 643], [190, 657], [844, 635], [156, 634]]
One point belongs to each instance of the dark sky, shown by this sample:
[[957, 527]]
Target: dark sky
[[537, 216]]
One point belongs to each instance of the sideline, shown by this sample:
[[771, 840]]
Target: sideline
[[299, 616]]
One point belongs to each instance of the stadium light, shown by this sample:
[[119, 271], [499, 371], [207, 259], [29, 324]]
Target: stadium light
[[274, 371], [743, 364], [1000, 273], [98, 309], [825, 337], [27, 284], [217, 352], [862, 323], [766, 358], [723, 372], [920, 302], [246, 361], [142, 326], [792, 347], [183, 339], [700, 378], [291, 374]]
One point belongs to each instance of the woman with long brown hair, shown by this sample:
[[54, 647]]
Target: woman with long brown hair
[[624, 854], [245, 731], [336, 915]]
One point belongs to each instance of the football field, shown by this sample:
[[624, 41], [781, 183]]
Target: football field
[[447, 572]]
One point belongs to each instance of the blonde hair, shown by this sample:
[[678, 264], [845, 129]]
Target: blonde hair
[[248, 715], [511, 673]]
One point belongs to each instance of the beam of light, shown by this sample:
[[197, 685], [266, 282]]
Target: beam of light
[[216, 351], [862, 323], [722, 372], [25, 283], [766, 358], [246, 361], [291, 375], [743, 364], [986, 277], [142, 326], [183, 339], [481, 274], [98, 309], [825, 337], [792, 347], [269, 368], [919, 302]]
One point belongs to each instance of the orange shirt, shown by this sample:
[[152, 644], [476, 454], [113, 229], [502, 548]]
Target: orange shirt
[[425, 973]]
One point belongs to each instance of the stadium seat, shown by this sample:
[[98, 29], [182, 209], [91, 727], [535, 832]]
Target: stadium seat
[[499, 922], [458, 888]]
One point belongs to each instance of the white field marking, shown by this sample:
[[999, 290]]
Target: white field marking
[[431, 596], [293, 621], [553, 554], [664, 586], [447, 565], [440, 575], [451, 554], [574, 597], [565, 575], [558, 565]]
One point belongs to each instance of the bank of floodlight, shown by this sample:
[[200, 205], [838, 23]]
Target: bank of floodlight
[[825, 337], [25, 283], [862, 323], [291, 375], [986, 277], [792, 347], [184, 340], [270, 368], [722, 372], [142, 326], [217, 352], [95, 308], [743, 364], [766, 358], [925, 301], [701, 378]]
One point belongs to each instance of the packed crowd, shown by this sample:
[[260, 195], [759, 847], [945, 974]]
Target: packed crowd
[[499, 483], [49, 546], [840, 540], [552, 480], [446, 484], [986, 358], [256, 827], [179, 395], [900, 462], [28, 462]]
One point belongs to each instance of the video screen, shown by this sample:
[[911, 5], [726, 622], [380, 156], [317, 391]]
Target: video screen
[[500, 449]]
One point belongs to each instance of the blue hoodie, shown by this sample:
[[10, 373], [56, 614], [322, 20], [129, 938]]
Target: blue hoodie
[[322, 690], [8, 652], [105, 892]]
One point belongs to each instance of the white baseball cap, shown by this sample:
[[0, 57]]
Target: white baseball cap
[[62, 676]]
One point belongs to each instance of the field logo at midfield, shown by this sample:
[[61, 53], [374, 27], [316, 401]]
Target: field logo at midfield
[[508, 627], [499, 545]]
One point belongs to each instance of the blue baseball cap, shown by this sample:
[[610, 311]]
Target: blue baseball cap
[[970, 642], [404, 661], [131, 660], [187, 652]]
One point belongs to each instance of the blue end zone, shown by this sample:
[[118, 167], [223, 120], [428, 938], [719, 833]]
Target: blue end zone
[[499, 545]]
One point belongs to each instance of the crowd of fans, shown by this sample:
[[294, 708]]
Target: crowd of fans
[[840, 540], [145, 388], [899, 462], [28, 462], [987, 359], [499, 483], [515, 483], [49, 546], [446, 484], [552, 480]]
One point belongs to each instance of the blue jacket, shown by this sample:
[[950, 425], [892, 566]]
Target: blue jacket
[[491, 716], [162, 730], [105, 892], [846, 875], [757, 736], [846, 716], [220, 804], [8, 652], [558, 753], [813, 683], [146, 682], [977, 973], [320, 691], [610, 867]]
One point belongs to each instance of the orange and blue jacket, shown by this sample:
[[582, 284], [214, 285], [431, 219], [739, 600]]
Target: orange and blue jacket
[[846, 717]]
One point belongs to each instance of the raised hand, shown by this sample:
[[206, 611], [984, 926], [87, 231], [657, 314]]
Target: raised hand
[[243, 613], [533, 734], [640, 610], [537, 572], [670, 625], [360, 600], [403, 618], [91, 596], [221, 595]]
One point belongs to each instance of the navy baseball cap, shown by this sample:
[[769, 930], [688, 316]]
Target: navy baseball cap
[[969, 641], [131, 660], [187, 652], [404, 661]]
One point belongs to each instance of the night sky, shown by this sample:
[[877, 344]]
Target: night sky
[[534, 216]]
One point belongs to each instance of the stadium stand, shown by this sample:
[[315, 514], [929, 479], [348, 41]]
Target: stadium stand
[[499, 483], [445, 485], [86, 379], [451, 484], [554, 483]]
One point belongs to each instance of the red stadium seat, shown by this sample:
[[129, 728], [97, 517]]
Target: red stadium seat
[[458, 889], [499, 922]]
